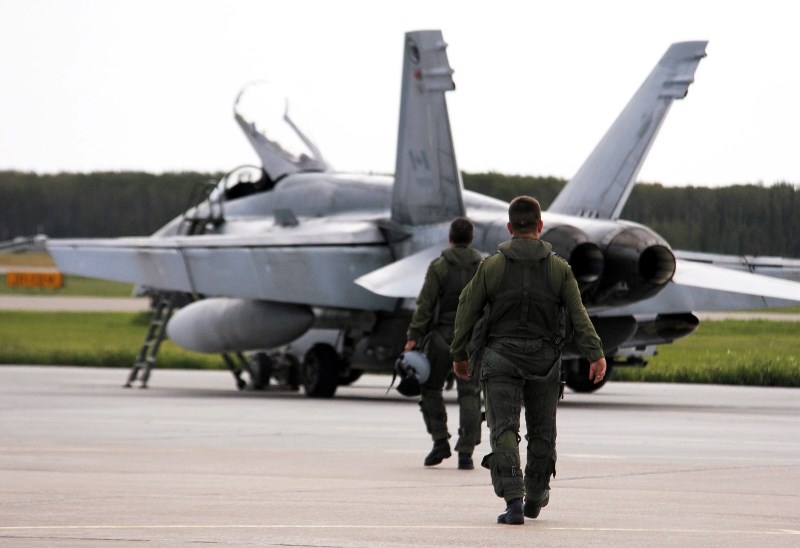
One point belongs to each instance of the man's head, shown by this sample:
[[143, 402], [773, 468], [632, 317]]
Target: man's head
[[461, 231], [525, 216]]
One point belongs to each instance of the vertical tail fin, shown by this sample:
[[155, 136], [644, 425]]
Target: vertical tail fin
[[603, 183], [427, 186]]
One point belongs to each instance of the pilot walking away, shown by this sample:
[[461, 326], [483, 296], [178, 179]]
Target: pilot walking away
[[534, 305], [431, 330]]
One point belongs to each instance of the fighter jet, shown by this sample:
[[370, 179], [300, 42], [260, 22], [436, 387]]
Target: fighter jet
[[318, 269]]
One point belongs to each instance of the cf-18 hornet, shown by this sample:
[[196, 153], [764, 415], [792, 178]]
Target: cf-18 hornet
[[316, 271]]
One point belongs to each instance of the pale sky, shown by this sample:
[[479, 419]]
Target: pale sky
[[117, 85]]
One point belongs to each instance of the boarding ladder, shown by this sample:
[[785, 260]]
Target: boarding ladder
[[195, 221], [163, 306]]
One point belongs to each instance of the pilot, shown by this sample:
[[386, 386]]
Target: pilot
[[431, 330], [531, 294]]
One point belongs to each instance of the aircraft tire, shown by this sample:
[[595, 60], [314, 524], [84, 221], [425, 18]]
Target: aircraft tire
[[576, 374], [289, 375], [321, 366], [261, 362]]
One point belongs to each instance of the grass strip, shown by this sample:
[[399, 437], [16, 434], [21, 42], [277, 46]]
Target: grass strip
[[101, 339], [736, 352]]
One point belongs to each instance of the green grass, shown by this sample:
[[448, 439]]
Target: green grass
[[739, 352], [104, 339], [753, 352], [786, 310]]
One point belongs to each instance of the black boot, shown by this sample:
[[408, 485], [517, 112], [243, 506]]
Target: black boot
[[440, 451], [533, 507], [465, 461], [513, 514]]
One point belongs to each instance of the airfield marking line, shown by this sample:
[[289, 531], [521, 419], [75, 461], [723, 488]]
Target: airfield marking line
[[406, 527]]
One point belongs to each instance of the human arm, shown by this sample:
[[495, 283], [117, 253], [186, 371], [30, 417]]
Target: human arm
[[585, 336], [470, 307], [426, 302]]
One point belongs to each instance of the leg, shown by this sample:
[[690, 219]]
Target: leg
[[503, 393], [431, 402], [469, 406], [541, 402]]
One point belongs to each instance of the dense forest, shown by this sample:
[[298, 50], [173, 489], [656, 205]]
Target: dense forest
[[99, 204], [740, 219], [752, 219]]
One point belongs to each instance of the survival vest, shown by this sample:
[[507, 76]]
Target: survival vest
[[526, 305], [456, 279]]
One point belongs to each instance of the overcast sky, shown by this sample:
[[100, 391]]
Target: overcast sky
[[149, 85]]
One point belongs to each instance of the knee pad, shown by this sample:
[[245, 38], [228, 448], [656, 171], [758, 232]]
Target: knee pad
[[539, 448], [508, 440]]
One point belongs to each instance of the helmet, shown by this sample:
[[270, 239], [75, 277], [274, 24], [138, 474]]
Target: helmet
[[414, 369]]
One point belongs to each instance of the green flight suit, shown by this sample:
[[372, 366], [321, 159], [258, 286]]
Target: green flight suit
[[432, 327], [531, 301]]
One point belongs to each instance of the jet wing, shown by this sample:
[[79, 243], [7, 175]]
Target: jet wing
[[705, 287], [779, 267], [315, 263], [23, 243]]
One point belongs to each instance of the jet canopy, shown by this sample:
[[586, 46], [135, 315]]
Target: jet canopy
[[263, 115]]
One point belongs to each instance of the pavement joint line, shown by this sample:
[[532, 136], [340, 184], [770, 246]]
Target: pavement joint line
[[406, 527]]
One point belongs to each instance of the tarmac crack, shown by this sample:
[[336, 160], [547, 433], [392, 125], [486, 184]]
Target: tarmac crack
[[673, 472]]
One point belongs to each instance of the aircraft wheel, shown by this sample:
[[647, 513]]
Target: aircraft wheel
[[576, 374], [289, 374], [261, 363], [321, 371]]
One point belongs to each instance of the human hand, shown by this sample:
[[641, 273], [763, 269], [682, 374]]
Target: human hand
[[410, 344], [597, 370], [461, 369]]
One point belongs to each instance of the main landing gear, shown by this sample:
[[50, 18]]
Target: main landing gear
[[320, 373]]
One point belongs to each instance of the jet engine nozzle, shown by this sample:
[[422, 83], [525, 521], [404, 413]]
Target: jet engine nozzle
[[638, 264], [583, 255], [221, 325], [662, 329]]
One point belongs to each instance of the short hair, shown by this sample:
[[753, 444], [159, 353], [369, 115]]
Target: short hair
[[524, 214], [461, 231]]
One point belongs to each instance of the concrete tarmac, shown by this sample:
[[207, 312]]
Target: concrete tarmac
[[58, 303], [191, 461]]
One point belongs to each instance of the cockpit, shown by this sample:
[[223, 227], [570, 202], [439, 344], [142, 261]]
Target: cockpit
[[280, 144], [282, 147]]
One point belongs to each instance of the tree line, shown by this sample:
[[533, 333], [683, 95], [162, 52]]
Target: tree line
[[749, 219], [77, 205]]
